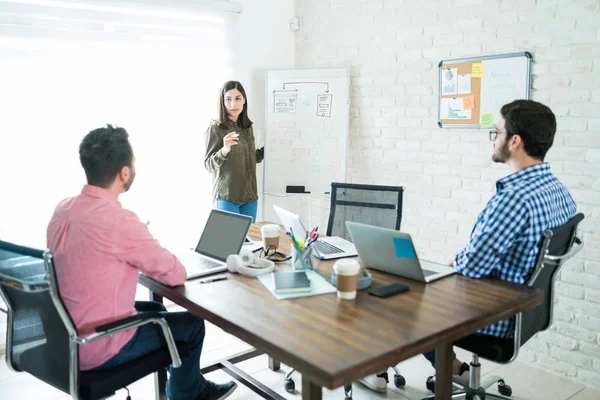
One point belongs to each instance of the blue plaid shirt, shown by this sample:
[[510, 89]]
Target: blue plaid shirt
[[506, 237]]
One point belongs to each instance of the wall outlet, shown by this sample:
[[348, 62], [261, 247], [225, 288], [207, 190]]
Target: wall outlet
[[294, 24]]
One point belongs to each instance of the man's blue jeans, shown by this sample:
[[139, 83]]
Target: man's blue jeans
[[185, 382], [250, 208]]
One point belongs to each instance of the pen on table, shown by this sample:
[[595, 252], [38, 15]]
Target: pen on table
[[220, 278]]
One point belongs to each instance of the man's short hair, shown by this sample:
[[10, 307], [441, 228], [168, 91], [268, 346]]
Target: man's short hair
[[103, 153], [533, 122]]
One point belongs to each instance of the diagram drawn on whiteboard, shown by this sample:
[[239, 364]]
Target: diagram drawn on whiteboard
[[285, 100]]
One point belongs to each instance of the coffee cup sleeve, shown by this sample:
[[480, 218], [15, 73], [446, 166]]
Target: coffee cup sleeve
[[364, 280]]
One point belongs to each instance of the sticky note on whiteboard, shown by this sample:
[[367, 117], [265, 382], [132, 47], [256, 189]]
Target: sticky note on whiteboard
[[477, 70], [487, 120]]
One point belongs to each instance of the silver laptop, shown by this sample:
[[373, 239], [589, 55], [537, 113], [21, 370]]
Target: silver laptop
[[392, 251], [327, 248], [223, 234]]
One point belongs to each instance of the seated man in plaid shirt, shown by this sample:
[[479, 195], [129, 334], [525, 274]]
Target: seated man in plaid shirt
[[505, 240]]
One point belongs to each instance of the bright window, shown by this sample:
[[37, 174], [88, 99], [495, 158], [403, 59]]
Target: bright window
[[69, 67]]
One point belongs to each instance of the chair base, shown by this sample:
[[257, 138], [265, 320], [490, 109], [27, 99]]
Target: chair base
[[463, 396], [290, 386], [467, 393]]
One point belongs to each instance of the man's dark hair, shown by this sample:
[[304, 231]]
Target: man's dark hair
[[243, 120], [533, 122], [103, 153]]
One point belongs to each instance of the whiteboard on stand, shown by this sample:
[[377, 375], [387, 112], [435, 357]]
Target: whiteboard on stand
[[306, 135]]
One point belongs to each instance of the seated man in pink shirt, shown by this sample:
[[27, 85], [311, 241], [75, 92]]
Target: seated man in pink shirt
[[99, 249]]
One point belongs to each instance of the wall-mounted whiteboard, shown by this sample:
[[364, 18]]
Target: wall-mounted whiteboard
[[306, 135], [472, 90]]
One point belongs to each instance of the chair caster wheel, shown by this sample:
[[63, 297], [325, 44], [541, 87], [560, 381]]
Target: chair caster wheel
[[399, 381], [504, 389], [348, 392], [430, 384], [290, 387]]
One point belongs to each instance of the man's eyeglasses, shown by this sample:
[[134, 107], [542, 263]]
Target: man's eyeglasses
[[493, 134]]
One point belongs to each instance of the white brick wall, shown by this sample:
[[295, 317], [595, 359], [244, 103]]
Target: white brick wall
[[392, 48]]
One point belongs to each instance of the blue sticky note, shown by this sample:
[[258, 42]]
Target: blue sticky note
[[404, 248]]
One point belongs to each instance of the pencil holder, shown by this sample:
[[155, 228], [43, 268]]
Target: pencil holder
[[302, 257]]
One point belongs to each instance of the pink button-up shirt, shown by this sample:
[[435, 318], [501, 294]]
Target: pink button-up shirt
[[99, 248]]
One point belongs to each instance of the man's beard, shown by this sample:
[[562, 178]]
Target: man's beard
[[502, 155]]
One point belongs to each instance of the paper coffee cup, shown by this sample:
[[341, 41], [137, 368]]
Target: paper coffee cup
[[270, 236], [346, 277]]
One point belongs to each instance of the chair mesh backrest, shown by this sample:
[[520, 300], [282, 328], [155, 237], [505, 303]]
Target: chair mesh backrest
[[368, 204], [539, 318], [39, 341]]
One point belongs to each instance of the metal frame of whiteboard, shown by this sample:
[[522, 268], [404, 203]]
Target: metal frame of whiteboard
[[347, 125], [482, 58]]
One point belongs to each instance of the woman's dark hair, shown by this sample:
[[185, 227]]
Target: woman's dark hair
[[243, 120], [533, 122], [103, 153]]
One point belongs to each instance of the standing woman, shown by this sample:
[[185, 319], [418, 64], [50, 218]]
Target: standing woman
[[231, 155]]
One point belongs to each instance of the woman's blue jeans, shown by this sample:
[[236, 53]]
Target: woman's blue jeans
[[249, 208]]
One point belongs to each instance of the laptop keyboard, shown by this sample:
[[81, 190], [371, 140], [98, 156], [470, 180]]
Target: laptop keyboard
[[427, 272], [208, 264], [327, 248]]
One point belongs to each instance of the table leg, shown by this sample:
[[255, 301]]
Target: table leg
[[274, 365], [311, 391], [160, 377], [444, 360]]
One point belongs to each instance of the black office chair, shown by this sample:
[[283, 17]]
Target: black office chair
[[557, 246], [368, 204], [42, 340]]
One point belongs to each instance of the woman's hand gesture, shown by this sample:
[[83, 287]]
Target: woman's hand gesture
[[231, 139]]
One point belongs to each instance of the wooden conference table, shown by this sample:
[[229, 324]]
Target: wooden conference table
[[334, 342]]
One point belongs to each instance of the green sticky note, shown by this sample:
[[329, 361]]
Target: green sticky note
[[487, 120]]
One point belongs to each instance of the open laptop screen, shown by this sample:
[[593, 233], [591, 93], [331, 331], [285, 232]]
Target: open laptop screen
[[223, 234], [291, 222]]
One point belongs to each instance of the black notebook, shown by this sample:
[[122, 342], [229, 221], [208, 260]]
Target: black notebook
[[290, 282]]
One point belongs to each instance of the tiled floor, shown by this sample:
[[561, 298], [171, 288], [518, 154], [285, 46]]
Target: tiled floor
[[527, 383]]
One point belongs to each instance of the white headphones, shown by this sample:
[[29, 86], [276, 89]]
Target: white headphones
[[246, 264]]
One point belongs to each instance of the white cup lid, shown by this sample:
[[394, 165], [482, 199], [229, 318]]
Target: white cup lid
[[346, 266], [270, 230]]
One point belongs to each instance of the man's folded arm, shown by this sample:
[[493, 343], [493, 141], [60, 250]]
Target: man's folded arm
[[135, 245], [504, 218]]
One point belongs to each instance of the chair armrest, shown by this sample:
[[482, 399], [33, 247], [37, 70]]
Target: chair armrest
[[134, 321], [127, 320], [575, 248]]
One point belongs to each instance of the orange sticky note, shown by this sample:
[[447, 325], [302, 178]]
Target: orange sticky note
[[469, 102]]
